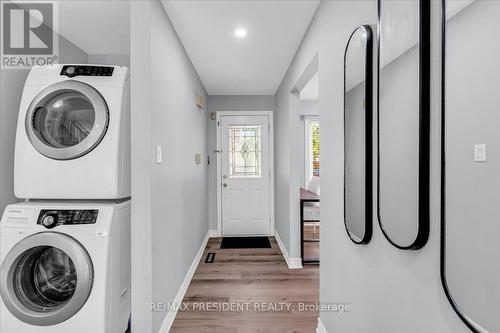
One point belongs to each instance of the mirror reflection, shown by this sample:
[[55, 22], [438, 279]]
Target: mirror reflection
[[403, 123], [470, 266], [358, 135]]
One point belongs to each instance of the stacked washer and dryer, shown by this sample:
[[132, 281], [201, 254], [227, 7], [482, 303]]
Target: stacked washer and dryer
[[65, 251]]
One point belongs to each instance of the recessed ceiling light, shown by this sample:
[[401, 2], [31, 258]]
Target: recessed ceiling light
[[240, 33]]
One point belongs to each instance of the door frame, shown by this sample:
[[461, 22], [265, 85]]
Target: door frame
[[270, 115]]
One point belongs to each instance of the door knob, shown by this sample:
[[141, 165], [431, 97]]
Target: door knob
[[225, 184]]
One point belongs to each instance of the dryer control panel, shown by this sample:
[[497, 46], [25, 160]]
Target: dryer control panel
[[77, 70], [52, 218]]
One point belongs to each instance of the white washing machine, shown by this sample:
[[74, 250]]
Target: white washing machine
[[65, 268], [73, 134]]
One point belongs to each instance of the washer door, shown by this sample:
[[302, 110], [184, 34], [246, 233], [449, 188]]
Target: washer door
[[67, 120], [46, 279]]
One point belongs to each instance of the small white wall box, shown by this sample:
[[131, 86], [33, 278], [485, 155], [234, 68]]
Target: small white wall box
[[200, 103], [480, 153], [159, 155], [197, 158]]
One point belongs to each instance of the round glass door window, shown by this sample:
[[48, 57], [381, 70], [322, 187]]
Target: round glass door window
[[67, 120], [46, 279]]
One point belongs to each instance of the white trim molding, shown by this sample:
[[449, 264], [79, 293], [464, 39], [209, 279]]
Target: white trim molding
[[321, 328], [292, 263], [169, 319]]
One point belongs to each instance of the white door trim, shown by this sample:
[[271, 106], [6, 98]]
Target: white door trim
[[270, 115]]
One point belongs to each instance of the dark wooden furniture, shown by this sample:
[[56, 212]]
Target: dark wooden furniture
[[306, 196]]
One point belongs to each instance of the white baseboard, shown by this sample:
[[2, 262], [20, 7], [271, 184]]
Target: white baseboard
[[321, 328], [292, 263], [213, 233], [169, 319]]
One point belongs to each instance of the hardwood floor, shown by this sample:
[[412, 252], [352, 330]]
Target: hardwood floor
[[251, 279]]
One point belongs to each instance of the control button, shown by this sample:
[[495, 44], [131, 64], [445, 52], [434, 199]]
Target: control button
[[49, 221], [71, 70]]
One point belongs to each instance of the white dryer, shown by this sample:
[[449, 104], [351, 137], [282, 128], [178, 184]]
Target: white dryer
[[65, 268], [73, 134]]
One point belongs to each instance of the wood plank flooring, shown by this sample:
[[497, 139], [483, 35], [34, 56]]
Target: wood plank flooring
[[247, 278]]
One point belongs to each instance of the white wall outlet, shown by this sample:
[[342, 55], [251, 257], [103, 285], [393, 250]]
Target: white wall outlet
[[480, 153], [159, 155]]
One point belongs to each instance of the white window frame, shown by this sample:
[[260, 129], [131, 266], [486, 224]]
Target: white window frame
[[309, 121]]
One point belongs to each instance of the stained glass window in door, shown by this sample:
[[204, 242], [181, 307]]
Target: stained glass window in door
[[245, 151]]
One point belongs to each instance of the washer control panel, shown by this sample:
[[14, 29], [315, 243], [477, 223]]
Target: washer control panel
[[52, 218], [77, 70]]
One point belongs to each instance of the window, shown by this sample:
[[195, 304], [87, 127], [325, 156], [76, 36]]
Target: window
[[315, 149], [312, 148], [245, 151]]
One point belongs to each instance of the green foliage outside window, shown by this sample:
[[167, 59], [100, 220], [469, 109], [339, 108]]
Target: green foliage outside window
[[315, 150]]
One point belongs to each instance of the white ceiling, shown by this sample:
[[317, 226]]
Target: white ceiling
[[252, 65], [310, 92]]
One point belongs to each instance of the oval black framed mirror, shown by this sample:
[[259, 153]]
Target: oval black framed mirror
[[470, 269], [358, 87], [404, 121]]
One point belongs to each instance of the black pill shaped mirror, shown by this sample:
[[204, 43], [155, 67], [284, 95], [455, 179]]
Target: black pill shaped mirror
[[404, 121], [358, 85]]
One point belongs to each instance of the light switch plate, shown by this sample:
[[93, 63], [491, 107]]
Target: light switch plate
[[159, 155], [197, 158], [480, 153]]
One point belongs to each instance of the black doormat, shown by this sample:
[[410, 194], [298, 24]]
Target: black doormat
[[245, 243]]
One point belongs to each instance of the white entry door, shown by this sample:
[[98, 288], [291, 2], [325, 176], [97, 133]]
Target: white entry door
[[246, 176]]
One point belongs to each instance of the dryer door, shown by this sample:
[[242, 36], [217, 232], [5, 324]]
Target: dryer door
[[67, 120], [46, 279]]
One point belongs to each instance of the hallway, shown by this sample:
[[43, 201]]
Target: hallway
[[257, 277]]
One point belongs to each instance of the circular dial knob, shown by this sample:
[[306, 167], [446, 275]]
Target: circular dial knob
[[70, 71], [49, 221]]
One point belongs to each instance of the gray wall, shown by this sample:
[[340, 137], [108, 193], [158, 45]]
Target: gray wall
[[109, 59], [309, 108], [142, 164], [282, 170], [170, 201], [228, 103], [389, 290], [11, 88]]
